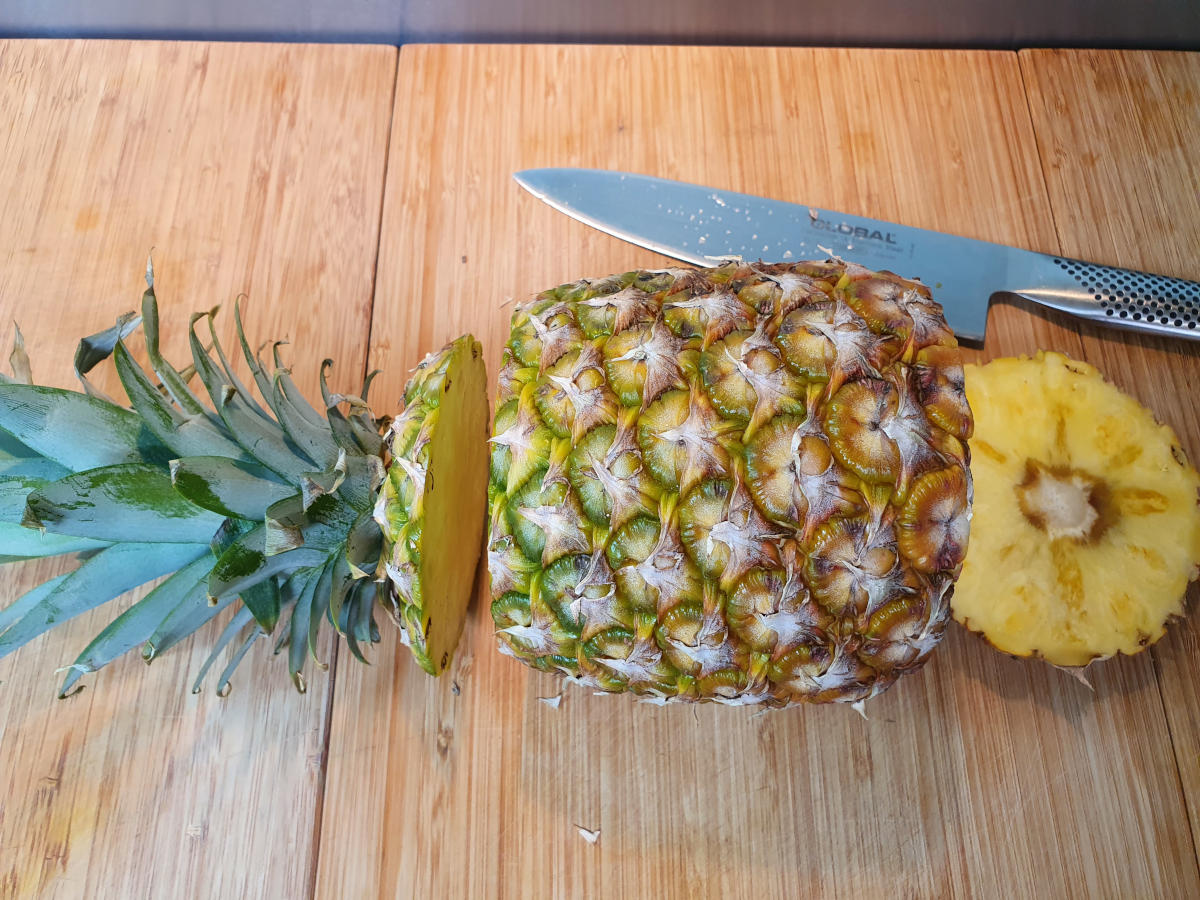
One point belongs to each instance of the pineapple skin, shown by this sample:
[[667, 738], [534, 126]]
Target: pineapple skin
[[434, 496], [746, 484], [1087, 529]]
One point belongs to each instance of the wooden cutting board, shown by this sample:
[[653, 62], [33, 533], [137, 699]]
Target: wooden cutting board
[[981, 776]]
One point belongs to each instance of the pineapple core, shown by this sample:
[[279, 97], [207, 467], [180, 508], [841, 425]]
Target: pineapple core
[[1064, 503]]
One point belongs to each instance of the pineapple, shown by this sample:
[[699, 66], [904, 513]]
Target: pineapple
[[286, 515], [1087, 530], [746, 484]]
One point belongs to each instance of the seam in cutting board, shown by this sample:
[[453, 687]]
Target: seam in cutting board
[[330, 694], [1156, 661]]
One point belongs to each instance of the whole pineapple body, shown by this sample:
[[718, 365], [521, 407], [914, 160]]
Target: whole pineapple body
[[747, 484], [1087, 528]]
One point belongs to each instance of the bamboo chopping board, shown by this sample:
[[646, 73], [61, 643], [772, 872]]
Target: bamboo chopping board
[[980, 776], [249, 168]]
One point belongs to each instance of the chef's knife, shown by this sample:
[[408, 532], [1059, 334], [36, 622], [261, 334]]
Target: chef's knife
[[706, 226]]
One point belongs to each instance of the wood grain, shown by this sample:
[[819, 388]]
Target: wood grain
[[1118, 134], [982, 776], [248, 168]]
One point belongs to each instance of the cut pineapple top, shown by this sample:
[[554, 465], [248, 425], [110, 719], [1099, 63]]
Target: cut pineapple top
[[1086, 529]]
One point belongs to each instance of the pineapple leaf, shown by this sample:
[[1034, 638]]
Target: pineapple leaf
[[13, 491], [342, 432], [263, 602], [307, 581], [343, 581], [48, 421], [131, 502], [260, 436], [348, 620], [252, 360], [284, 375], [32, 467], [141, 620], [246, 564], [357, 487], [225, 685], [229, 487], [362, 622], [11, 448], [174, 384], [21, 543], [239, 621], [193, 613], [19, 359], [320, 609], [243, 391], [186, 435], [95, 348], [364, 543], [16, 610], [107, 575], [315, 440]]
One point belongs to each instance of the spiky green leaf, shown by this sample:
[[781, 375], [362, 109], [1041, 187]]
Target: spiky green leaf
[[260, 436], [246, 564], [19, 542], [252, 360], [229, 487], [225, 684], [37, 467], [308, 580], [27, 601], [141, 620], [13, 491], [52, 422], [186, 434], [320, 609], [315, 440], [171, 379], [131, 502], [95, 348], [107, 575], [192, 614], [264, 602], [233, 380], [240, 620]]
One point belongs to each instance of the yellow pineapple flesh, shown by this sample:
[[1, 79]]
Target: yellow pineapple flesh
[[1086, 530]]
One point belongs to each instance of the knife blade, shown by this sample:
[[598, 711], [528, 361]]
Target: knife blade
[[706, 226]]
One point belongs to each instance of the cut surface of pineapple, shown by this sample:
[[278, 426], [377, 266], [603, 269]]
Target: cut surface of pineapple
[[1086, 529], [432, 508]]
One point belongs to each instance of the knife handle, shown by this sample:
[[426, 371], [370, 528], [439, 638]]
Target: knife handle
[[1121, 298]]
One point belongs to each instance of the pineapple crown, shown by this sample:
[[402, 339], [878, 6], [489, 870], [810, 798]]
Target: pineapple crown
[[261, 506]]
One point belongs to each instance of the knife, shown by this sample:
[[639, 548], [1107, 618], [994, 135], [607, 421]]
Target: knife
[[706, 226]]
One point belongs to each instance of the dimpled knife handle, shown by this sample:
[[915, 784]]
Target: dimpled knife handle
[[1122, 298]]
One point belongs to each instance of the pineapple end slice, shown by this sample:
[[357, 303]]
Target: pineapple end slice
[[1086, 529], [432, 507]]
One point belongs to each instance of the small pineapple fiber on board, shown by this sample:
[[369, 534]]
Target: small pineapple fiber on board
[[265, 505]]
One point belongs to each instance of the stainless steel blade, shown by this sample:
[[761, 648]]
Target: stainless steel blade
[[704, 225]]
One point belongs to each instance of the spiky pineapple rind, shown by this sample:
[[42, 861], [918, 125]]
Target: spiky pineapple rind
[[714, 386]]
